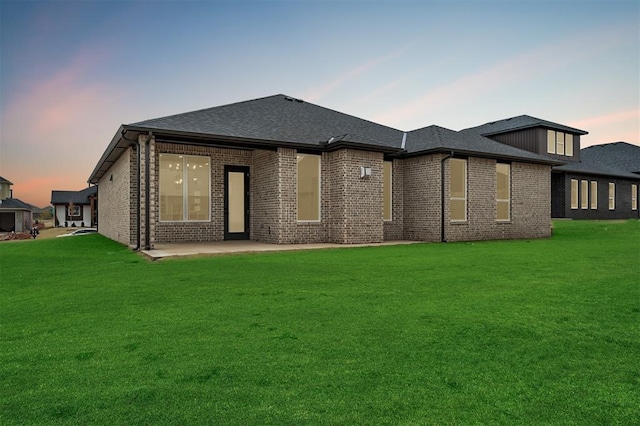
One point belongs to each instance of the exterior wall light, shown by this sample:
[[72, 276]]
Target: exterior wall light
[[365, 172]]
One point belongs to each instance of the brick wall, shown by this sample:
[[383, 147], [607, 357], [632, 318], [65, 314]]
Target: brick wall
[[354, 203], [530, 203], [393, 229], [421, 195], [212, 230], [351, 207], [117, 193], [264, 196]]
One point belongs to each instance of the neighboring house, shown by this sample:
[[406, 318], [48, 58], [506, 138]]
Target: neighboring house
[[41, 213], [281, 170], [595, 183], [75, 208], [15, 215]]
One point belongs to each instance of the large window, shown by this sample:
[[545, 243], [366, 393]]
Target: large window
[[73, 212], [503, 193], [584, 194], [387, 191], [634, 196], [594, 195], [574, 194], [308, 176], [612, 196], [458, 190], [559, 143], [184, 188], [568, 145]]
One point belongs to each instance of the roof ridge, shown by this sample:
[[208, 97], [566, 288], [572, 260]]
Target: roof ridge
[[207, 109]]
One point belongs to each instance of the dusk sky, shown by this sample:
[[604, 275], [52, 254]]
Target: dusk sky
[[73, 71]]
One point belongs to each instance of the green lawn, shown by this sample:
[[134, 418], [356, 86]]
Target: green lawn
[[511, 332]]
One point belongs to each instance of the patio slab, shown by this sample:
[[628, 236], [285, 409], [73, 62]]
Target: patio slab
[[163, 250]]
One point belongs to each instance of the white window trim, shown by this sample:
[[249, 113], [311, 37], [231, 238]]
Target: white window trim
[[319, 190], [552, 146], [594, 194], [556, 147], [584, 195], [185, 191], [568, 146], [612, 195], [466, 190], [577, 186], [634, 197]]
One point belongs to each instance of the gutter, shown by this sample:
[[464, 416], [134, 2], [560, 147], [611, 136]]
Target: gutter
[[443, 238], [147, 204]]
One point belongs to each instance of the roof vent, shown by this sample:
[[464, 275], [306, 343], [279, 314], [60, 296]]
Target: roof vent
[[290, 99]]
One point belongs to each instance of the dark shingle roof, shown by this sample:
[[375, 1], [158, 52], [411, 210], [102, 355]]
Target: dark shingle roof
[[595, 169], [277, 118], [619, 159], [518, 123], [281, 120], [3, 180], [436, 138], [75, 197], [619, 155], [14, 204]]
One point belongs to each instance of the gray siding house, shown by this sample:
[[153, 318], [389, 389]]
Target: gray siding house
[[15, 214], [281, 170]]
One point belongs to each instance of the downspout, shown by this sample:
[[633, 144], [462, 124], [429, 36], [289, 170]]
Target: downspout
[[136, 144], [147, 204], [443, 238]]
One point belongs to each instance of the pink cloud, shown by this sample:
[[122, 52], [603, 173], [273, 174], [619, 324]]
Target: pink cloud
[[54, 132], [613, 127], [608, 119], [515, 70], [317, 93]]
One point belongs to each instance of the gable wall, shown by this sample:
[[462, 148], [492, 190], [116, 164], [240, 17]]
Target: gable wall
[[527, 139], [116, 216]]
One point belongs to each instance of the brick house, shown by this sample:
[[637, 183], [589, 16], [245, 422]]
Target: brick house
[[281, 170], [598, 182]]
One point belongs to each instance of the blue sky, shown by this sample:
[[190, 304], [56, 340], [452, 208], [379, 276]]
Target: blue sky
[[73, 71]]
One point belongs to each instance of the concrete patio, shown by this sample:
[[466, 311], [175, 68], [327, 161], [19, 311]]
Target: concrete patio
[[164, 250]]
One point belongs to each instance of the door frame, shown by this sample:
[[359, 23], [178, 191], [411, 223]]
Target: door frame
[[236, 235]]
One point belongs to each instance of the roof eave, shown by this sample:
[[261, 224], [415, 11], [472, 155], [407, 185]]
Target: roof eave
[[532, 126], [470, 153]]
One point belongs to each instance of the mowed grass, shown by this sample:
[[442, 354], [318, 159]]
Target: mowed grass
[[509, 332]]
